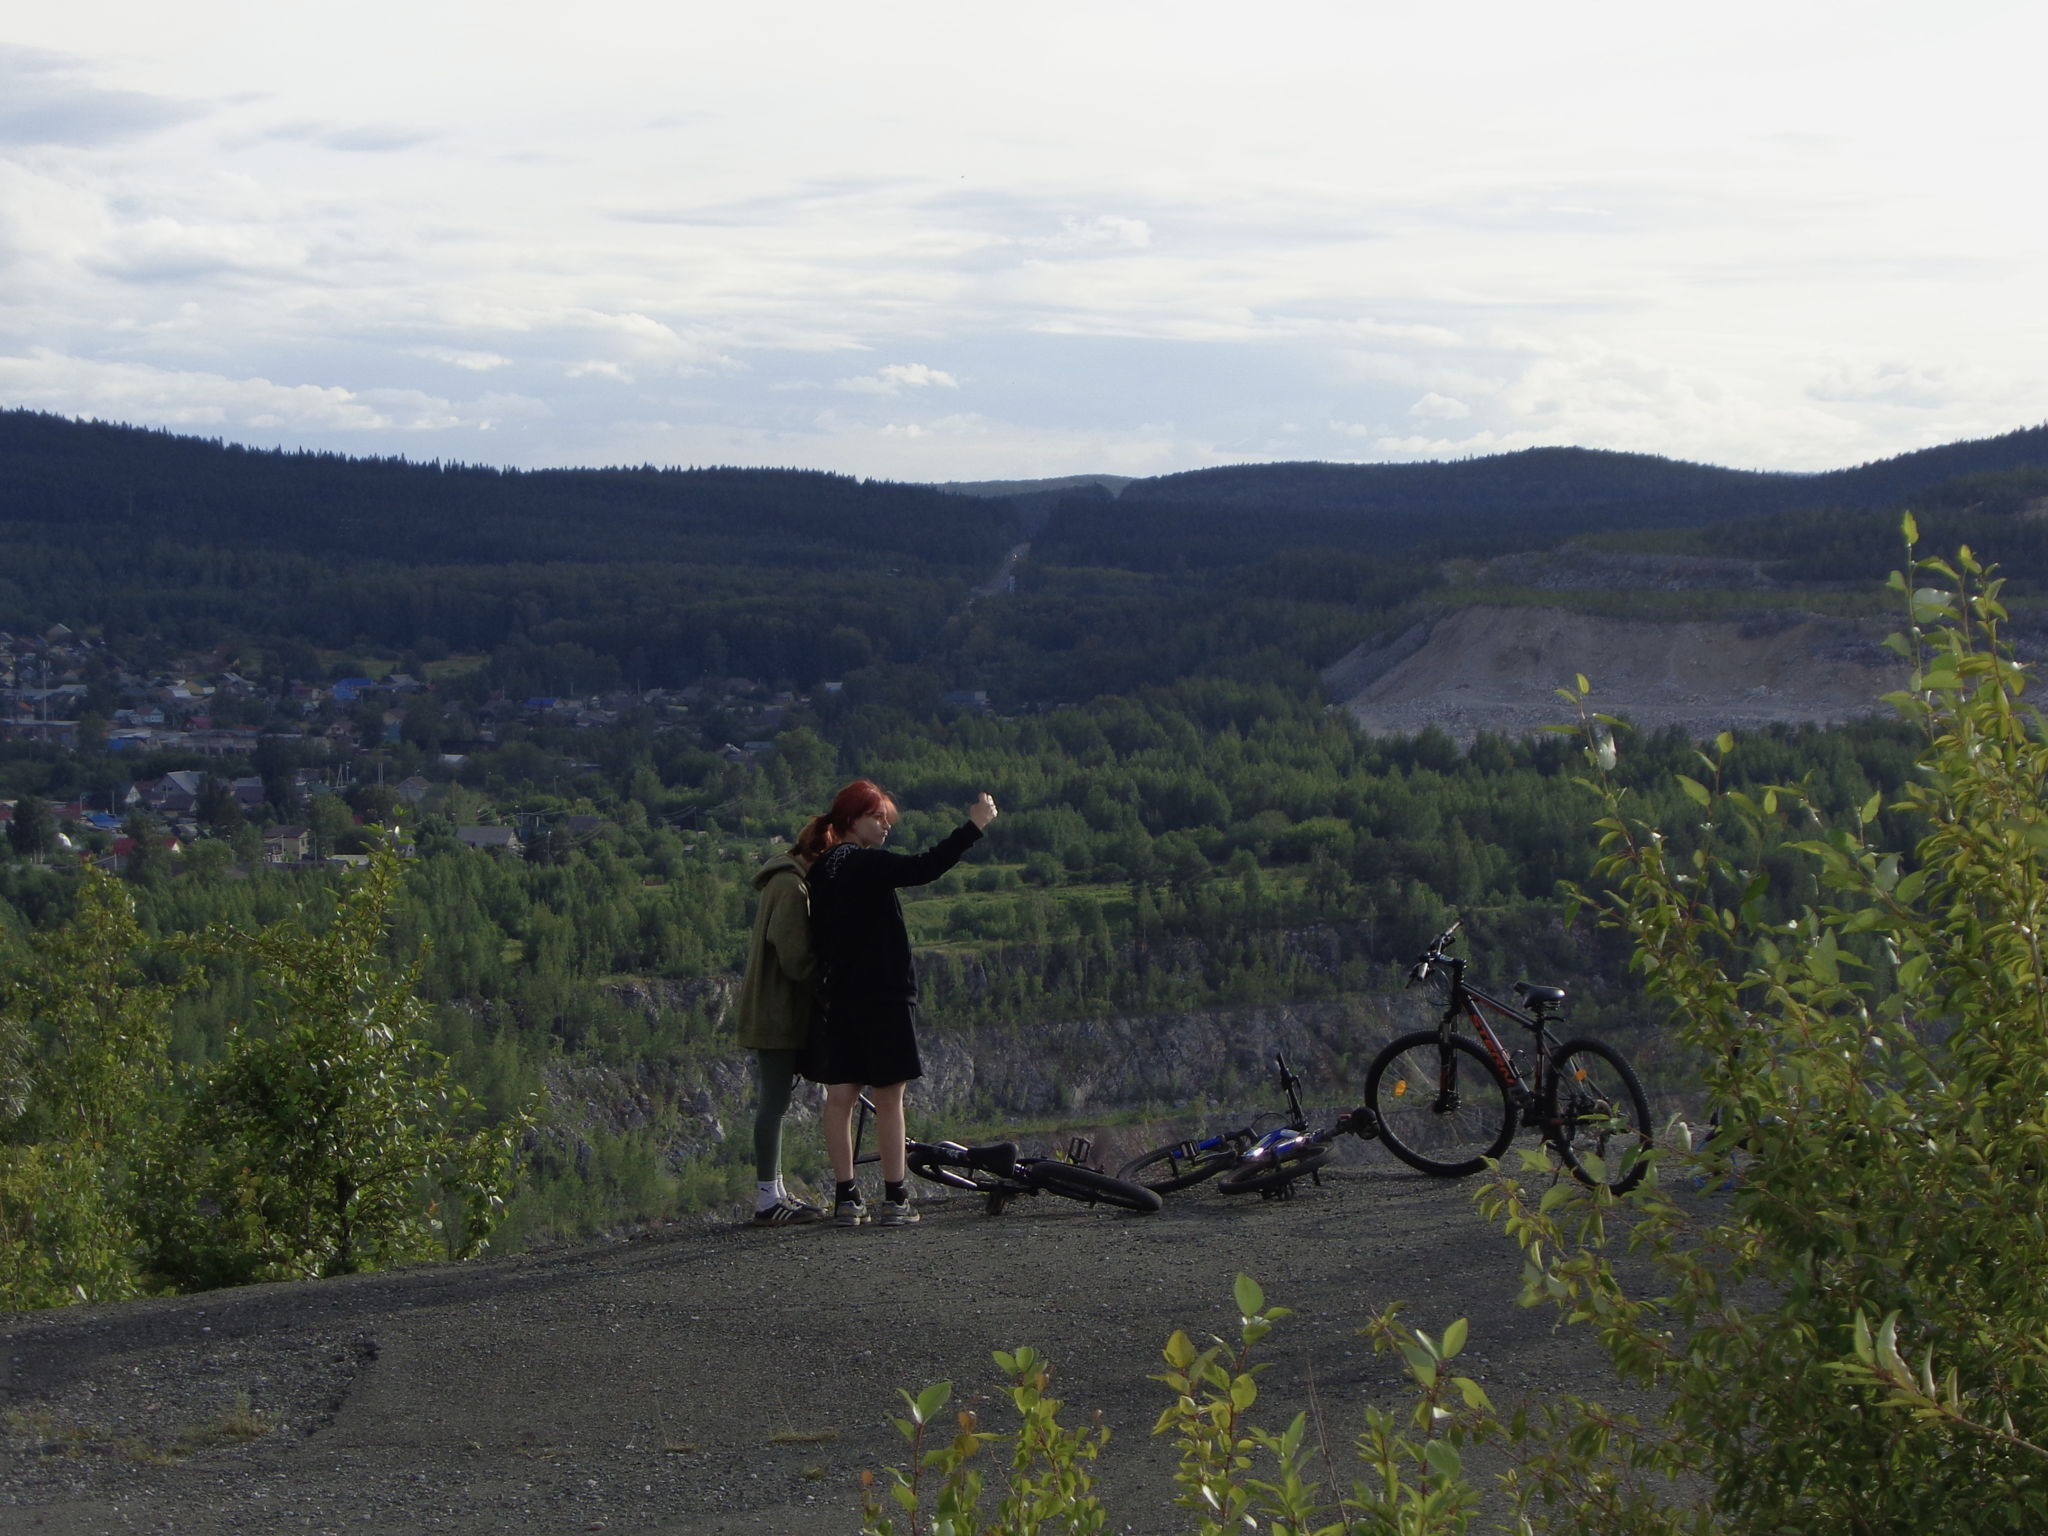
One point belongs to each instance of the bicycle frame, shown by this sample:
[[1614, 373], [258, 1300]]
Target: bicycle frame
[[1077, 1151], [1472, 1004]]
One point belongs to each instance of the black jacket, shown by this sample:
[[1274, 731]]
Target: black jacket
[[857, 927]]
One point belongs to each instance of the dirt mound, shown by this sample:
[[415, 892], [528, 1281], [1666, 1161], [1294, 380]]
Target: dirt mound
[[1468, 670]]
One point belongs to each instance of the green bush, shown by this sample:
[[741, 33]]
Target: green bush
[[328, 1139], [1415, 1483], [83, 1069], [1879, 1068]]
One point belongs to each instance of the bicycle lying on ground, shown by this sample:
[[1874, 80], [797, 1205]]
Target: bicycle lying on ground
[[999, 1174], [1446, 1102], [1249, 1160]]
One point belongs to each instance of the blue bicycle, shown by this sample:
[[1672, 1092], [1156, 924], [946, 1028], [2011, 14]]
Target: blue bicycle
[[1251, 1160]]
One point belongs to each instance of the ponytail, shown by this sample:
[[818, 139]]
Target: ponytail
[[815, 838]]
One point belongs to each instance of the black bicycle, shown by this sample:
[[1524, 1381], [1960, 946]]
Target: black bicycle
[[1447, 1102], [1000, 1174], [1251, 1161]]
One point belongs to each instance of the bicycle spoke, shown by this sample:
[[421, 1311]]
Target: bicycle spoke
[[1602, 1124], [1441, 1108]]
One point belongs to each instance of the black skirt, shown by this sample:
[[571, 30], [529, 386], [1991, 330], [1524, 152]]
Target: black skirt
[[873, 1044]]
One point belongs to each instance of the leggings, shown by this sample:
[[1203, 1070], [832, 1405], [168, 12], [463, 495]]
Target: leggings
[[775, 1072]]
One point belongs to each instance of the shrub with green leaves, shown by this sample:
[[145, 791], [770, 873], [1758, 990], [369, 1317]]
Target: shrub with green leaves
[[329, 1139], [1233, 1474], [1849, 1320], [83, 1068]]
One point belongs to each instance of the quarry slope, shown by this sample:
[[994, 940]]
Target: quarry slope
[[1485, 668]]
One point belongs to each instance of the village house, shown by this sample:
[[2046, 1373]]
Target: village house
[[175, 794], [494, 839], [287, 844], [117, 858]]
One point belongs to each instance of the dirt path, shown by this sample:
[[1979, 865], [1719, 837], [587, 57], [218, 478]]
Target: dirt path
[[724, 1379]]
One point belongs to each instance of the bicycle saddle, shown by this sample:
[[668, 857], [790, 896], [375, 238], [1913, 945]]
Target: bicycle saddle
[[997, 1157], [1532, 994]]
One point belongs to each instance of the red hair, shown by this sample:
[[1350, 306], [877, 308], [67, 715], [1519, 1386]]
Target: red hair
[[863, 797]]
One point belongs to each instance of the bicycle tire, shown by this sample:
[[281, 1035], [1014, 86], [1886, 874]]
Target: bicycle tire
[[1599, 1110], [1265, 1175], [1144, 1168], [1089, 1186], [1400, 1088]]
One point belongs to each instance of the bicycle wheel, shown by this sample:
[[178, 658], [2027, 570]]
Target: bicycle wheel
[[1266, 1174], [1601, 1113], [1089, 1186], [1444, 1112], [1167, 1169]]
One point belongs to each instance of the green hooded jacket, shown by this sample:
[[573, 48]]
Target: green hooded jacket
[[776, 995]]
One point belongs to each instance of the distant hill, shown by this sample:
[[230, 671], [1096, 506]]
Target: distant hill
[[1532, 499], [568, 578], [101, 483], [1056, 485], [575, 576]]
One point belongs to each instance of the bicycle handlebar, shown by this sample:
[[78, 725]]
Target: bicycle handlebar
[[1429, 958]]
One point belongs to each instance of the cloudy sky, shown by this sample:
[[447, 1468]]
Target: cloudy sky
[[935, 242]]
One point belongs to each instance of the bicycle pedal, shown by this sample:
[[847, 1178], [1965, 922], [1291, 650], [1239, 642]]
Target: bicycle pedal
[[1362, 1123], [1078, 1149]]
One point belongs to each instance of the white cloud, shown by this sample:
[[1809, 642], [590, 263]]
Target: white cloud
[[360, 139], [46, 97], [1884, 383], [460, 357], [133, 392], [897, 377], [1436, 407], [161, 248], [1104, 232]]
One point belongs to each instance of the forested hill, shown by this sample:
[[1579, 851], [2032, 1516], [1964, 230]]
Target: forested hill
[[99, 483], [572, 578], [1534, 498], [574, 581]]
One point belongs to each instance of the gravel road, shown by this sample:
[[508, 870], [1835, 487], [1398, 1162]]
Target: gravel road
[[720, 1378]]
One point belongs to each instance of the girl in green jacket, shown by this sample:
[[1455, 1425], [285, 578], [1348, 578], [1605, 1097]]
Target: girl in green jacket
[[775, 1006]]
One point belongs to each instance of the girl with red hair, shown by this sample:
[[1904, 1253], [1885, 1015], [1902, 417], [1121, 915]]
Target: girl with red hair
[[867, 988]]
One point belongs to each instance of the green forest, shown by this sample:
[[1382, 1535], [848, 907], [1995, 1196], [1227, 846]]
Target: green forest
[[1186, 823]]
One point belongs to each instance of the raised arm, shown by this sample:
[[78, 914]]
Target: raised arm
[[902, 869]]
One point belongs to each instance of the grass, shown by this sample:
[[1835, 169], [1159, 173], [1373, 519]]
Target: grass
[[236, 1424]]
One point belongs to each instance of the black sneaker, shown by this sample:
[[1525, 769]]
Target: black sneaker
[[787, 1213]]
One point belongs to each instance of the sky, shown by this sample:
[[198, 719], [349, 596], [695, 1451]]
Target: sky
[[963, 242]]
